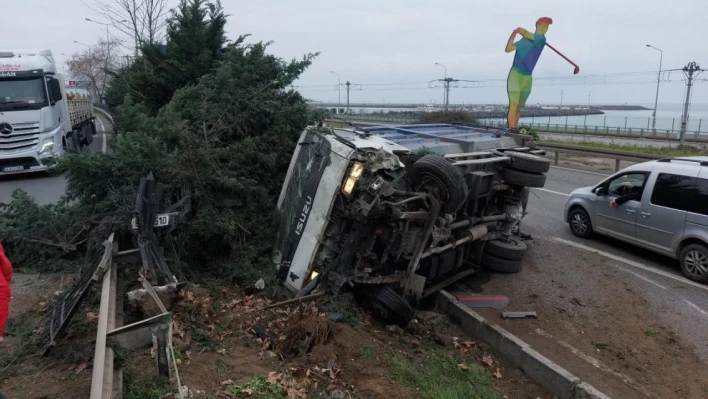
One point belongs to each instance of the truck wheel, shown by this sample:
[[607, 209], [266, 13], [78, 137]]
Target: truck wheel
[[510, 248], [501, 265], [435, 174], [526, 162], [385, 303], [88, 134], [74, 140], [694, 262], [525, 179]]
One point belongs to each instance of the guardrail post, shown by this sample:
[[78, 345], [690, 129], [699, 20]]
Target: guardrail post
[[555, 158], [617, 165]]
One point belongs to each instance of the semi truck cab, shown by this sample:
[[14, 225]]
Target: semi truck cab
[[36, 126]]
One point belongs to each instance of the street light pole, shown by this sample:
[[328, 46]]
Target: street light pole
[[339, 90], [658, 80], [446, 88]]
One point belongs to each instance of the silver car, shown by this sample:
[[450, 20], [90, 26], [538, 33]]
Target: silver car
[[659, 205]]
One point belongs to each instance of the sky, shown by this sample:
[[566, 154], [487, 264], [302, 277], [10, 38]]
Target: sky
[[390, 47]]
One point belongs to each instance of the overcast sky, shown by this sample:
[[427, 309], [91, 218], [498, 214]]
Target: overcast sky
[[395, 43]]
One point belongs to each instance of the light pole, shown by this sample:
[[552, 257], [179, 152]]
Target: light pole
[[446, 83], [339, 90], [658, 80]]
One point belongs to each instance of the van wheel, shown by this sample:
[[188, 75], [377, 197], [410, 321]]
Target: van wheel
[[385, 304], [580, 223], [437, 175], [694, 262]]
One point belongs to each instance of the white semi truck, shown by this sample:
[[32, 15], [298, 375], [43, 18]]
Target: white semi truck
[[39, 121]]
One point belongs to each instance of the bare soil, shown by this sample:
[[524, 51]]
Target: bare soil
[[598, 326], [354, 359]]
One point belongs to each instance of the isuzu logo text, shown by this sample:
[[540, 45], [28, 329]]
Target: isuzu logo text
[[303, 216]]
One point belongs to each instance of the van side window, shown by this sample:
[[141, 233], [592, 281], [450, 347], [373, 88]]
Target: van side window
[[676, 191], [699, 203]]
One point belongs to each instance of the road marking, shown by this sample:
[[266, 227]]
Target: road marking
[[693, 305], [597, 363], [631, 263], [552, 192], [643, 278], [100, 122], [580, 170], [104, 137]]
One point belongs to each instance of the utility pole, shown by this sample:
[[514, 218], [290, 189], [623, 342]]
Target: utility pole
[[446, 89], [339, 91], [561, 104], [688, 70], [350, 86], [450, 82], [658, 80]]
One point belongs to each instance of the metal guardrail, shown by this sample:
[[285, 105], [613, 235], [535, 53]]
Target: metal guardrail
[[599, 153]]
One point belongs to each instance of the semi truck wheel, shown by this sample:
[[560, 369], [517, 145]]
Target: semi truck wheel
[[435, 174], [525, 179], [526, 162], [385, 304], [501, 265], [510, 248]]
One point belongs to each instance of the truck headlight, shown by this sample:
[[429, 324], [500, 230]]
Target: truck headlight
[[355, 172], [47, 146]]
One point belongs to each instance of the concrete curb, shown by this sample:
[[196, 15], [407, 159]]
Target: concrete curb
[[557, 380]]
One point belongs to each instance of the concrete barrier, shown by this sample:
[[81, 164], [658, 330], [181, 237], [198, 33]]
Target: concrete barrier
[[557, 380]]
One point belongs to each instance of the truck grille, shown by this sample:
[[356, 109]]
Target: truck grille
[[24, 136]]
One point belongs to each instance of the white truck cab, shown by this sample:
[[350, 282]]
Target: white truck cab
[[38, 123]]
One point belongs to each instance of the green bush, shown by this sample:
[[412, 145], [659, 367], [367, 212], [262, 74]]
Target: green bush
[[447, 117]]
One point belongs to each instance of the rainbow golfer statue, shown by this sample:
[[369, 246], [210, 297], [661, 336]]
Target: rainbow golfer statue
[[528, 50]]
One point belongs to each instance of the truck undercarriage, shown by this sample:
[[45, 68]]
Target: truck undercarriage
[[403, 225]]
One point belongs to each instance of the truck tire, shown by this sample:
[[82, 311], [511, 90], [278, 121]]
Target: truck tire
[[88, 137], [525, 179], [74, 140], [385, 303], [511, 248], [447, 178], [526, 162], [501, 265]]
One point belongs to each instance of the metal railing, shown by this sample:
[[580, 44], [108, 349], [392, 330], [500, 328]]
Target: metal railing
[[599, 153], [619, 131]]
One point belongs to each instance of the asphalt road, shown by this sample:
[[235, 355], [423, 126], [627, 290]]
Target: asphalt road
[[49, 189], [680, 302]]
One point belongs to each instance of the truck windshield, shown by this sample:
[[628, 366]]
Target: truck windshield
[[22, 93]]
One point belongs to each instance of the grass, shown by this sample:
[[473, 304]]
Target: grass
[[666, 151], [143, 386], [441, 377], [22, 329], [258, 388], [650, 333]]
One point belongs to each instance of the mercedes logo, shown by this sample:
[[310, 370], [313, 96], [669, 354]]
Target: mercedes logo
[[5, 128]]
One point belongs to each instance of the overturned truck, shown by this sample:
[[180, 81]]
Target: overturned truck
[[396, 213]]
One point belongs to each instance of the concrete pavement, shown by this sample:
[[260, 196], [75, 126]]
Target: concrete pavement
[[49, 189], [636, 325]]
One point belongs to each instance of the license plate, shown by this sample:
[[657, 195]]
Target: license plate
[[12, 168], [161, 220]]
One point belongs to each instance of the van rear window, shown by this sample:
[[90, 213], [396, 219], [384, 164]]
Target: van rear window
[[681, 192]]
